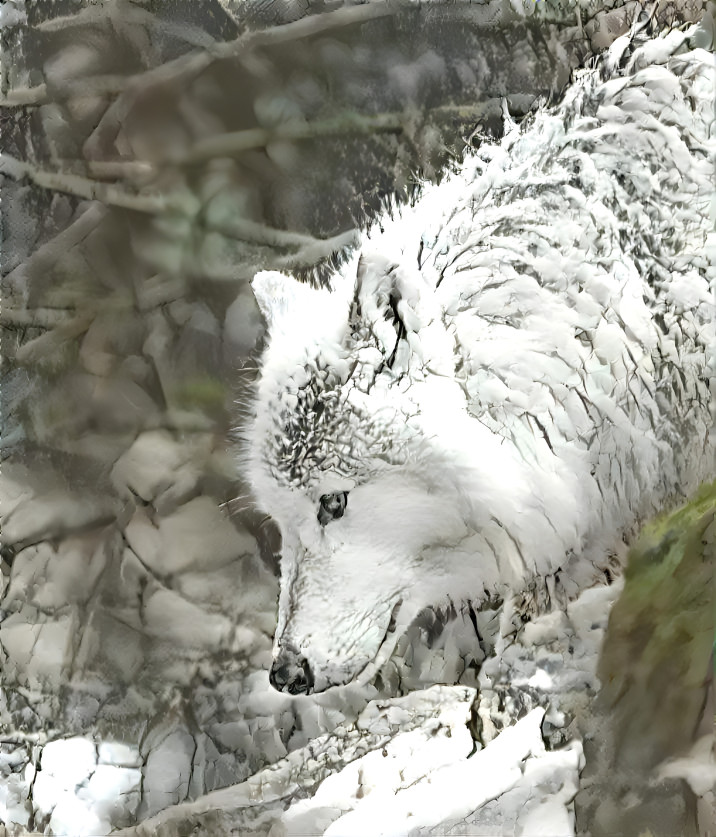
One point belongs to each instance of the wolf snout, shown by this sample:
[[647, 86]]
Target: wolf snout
[[291, 673]]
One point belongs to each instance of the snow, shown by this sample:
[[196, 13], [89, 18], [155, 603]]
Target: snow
[[13, 800], [118, 754], [436, 795], [419, 781], [403, 766], [69, 761], [73, 818], [80, 796], [698, 768]]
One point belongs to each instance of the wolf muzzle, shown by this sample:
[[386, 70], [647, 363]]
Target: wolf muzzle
[[291, 673]]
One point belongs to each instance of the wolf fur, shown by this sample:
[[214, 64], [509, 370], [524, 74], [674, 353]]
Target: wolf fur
[[505, 380]]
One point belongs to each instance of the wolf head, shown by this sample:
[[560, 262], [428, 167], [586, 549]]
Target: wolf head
[[390, 495], [357, 386]]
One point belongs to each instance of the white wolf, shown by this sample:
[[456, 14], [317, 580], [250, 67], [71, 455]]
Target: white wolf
[[506, 378]]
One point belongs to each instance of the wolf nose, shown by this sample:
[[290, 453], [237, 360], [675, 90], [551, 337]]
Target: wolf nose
[[291, 673]]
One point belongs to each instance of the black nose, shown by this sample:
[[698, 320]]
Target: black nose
[[291, 673]]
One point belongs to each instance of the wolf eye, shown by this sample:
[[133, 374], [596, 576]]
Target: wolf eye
[[332, 506]]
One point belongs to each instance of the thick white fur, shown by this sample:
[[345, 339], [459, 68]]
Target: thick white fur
[[538, 387]]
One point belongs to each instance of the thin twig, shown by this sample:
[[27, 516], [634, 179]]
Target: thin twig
[[131, 169], [53, 250], [246, 230], [237, 142], [24, 96], [35, 317], [128, 13], [305, 27], [85, 187], [110, 194], [102, 85], [48, 344]]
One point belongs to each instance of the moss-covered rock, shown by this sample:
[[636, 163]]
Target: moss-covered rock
[[657, 658]]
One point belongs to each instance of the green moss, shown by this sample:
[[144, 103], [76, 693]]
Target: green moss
[[655, 660], [206, 394]]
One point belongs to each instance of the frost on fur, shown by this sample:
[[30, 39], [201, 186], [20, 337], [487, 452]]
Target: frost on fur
[[505, 380]]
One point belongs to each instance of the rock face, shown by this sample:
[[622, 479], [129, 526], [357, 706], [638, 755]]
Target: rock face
[[156, 159]]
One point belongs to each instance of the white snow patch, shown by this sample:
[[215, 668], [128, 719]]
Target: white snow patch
[[118, 754], [69, 760], [423, 781], [71, 817], [698, 768], [81, 797], [14, 807]]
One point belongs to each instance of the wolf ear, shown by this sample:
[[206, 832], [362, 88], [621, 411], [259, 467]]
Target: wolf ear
[[386, 303], [277, 295]]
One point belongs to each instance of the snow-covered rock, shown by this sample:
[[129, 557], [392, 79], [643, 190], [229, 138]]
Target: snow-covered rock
[[77, 796], [422, 774], [167, 771], [423, 783]]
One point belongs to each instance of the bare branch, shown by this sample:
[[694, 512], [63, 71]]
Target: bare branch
[[130, 169], [24, 96], [180, 69], [237, 142], [52, 341], [305, 27], [246, 230], [124, 14], [35, 317], [53, 250], [308, 249], [85, 187], [223, 145]]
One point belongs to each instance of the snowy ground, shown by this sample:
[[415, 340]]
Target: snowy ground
[[501, 759], [433, 762]]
